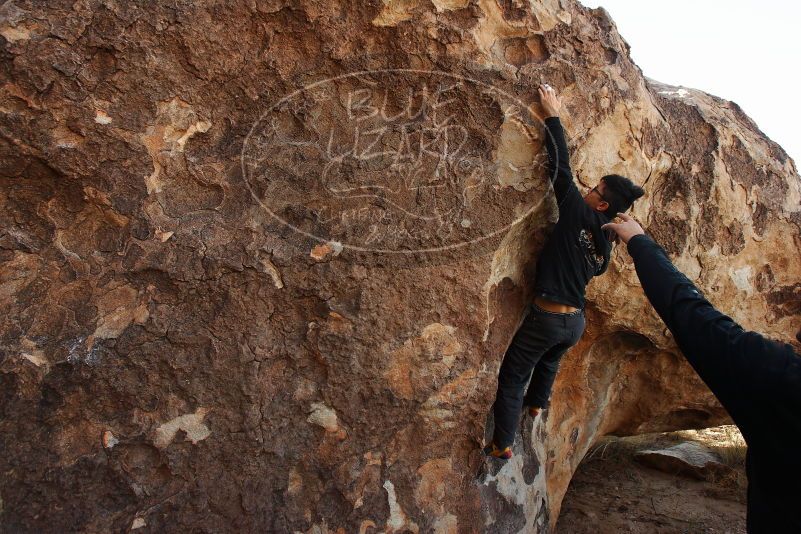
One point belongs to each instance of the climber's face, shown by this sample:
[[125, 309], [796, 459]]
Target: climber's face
[[595, 197]]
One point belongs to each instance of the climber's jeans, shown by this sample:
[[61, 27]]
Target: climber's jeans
[[534, 353]]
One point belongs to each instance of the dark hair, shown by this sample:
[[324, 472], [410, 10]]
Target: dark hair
[[620, 193]]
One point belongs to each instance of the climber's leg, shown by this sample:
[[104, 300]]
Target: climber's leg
[[544, 374], [534, 337]]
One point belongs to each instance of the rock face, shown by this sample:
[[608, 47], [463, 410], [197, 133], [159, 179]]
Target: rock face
[[246, 289]]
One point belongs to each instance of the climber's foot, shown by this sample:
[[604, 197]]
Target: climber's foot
[[534, 411], [495, 452]]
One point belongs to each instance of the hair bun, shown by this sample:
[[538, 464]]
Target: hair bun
[[635, 193]]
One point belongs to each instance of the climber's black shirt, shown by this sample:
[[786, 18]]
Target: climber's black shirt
[[577, 249], [757, 380]]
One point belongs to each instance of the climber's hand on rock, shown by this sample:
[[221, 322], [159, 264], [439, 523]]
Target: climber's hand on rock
[[626, 229], [551, 104]]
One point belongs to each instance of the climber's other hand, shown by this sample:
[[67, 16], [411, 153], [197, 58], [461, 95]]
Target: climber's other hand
[[626, 229]]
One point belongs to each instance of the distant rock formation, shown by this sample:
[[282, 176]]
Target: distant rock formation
[[260, 261], [686, 458]]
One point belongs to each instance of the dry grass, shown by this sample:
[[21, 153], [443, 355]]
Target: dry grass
[[610, 447], [725, 441], [728, 443]]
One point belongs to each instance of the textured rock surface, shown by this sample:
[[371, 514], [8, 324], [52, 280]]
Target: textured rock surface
[[687, 458], [174, 358]]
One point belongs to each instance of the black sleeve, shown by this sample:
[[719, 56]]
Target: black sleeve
[[740, 367], [559, 165]]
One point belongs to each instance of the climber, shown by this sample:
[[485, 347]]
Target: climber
[[757, 380], [576, 250]]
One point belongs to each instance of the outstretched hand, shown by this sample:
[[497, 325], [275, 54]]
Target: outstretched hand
[[626, 229], [551, 104]]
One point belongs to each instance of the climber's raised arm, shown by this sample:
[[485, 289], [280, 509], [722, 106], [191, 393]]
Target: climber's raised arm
[[558, 156]]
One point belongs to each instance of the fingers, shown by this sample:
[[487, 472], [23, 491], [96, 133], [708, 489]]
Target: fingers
[[624, 216], [610, 226]]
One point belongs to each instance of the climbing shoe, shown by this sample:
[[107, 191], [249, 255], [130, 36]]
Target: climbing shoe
[[495, 452], [534, 411]]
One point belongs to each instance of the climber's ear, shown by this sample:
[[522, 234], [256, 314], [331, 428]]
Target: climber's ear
[[602, 206]]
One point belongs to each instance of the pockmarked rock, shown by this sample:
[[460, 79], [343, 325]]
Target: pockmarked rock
[[191, 424]]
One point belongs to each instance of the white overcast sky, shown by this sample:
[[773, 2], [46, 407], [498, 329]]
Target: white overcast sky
[[746, 51]]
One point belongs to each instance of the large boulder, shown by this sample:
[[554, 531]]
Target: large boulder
[[248, 286]]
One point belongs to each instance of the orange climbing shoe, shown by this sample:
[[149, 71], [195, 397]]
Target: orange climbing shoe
[[534, 411], [495, 452]]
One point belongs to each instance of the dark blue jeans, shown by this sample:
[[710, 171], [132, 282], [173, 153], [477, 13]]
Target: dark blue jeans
[[534, 354]]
